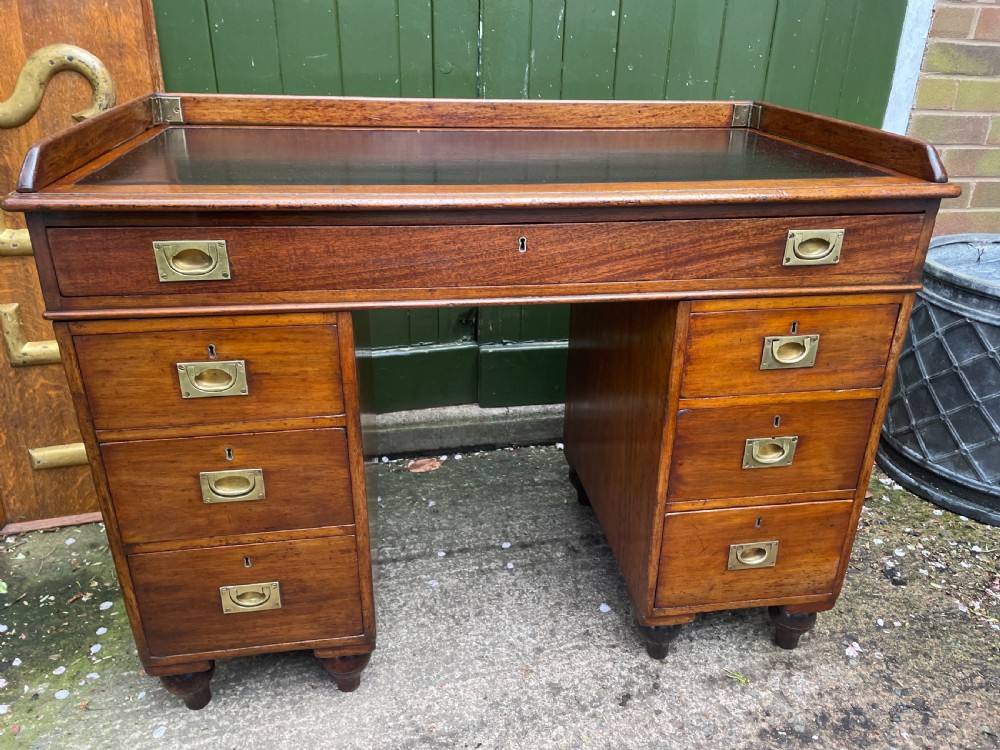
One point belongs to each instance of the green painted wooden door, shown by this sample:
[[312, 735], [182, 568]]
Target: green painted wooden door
[[834, 57]]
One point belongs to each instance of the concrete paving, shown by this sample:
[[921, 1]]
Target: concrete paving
[[484, 645]]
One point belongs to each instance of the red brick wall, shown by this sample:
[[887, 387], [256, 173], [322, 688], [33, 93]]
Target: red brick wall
[[957, 108]]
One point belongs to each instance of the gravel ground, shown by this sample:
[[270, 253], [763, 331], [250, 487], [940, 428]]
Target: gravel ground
[[503, 623]]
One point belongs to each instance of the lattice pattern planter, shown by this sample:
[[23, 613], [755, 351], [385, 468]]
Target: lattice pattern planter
[[941, 437]]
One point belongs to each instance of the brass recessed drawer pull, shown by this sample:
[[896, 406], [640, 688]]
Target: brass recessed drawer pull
[[232, 486], [765, 453], [212, 379], [192, 260], [813, 247], [250, 597], [753, 555], [789, 352]]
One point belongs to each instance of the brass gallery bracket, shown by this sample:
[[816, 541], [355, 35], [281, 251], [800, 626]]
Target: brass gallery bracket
[[20, 351], [166, 109]]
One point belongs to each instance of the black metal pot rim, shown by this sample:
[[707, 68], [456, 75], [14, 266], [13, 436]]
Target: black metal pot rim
[[948, 275]]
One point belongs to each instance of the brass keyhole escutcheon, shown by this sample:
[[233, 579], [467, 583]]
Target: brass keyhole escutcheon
[[192, 260], [214, 380], [814, 248]]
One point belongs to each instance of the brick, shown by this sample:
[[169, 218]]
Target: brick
[[950, 128], [966, 221], [953, 23], [978, 95], [986, 195], [989, 24], [962, 58], [971, 162], [936, 93], [961, 201], [993, 137]]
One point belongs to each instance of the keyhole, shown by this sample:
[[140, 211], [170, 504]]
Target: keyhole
[[795, 327], [777, 420], [760, 521], [212, 353], [247, 563], [229, 454], [522, 244]]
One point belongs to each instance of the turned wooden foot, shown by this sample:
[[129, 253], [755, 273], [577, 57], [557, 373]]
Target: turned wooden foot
[[790, 626], [346, 670], [193, 688], [658, 638], [581, 493]]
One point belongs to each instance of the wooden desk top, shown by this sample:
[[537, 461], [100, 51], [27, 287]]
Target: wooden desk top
[[244, 153]]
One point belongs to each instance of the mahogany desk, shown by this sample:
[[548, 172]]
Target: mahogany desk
[[747, 270]]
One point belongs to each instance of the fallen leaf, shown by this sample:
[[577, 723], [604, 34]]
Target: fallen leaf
[[423, 465]]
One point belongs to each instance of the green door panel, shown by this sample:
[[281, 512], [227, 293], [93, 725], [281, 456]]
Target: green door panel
[[834, 57]]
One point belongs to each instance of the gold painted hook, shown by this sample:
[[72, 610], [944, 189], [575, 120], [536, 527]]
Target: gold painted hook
[[14, 242], [20, 351], [38, 71]]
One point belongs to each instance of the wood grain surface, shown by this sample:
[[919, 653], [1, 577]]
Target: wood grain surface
[[178, 595], [157, 494], [724, 349], [347, 258], [695, 553], [708, 449], [132, 378], [617, 399]]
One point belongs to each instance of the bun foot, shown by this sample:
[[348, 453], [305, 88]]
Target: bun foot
[[581, 493], [346, 670], [193, 688], [790, 626], [657, 638]]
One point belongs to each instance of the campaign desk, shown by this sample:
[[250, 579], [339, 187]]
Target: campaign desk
[[741, 275]]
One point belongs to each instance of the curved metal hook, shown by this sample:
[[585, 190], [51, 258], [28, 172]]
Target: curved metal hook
[[39, 69]]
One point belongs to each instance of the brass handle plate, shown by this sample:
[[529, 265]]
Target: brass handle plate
[[813, 247], [769, 452], [212, 379], [250, 597], [192, 260], [233, 486], [753, 555], [789, 352]]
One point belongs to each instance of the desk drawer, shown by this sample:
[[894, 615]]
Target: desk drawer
[[695, 557], [133, 379], [120, 261], [158, 491], [818, 348], [181, 605], [710, 449]]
